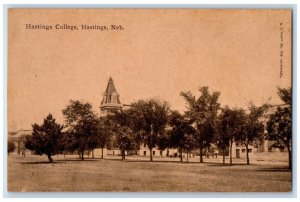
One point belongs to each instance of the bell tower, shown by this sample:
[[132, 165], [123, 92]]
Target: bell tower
[[111, 99]]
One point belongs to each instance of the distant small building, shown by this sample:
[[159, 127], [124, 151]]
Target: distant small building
[[18, 138]]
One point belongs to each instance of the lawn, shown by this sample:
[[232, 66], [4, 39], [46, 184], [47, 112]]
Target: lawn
[[33, 173]]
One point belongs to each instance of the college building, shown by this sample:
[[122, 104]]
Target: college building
[[111, 103]]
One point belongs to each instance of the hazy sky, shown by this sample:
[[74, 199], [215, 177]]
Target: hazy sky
[[158, 54]]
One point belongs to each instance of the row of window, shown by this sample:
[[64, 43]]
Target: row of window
[[244, 150], [153, 153]]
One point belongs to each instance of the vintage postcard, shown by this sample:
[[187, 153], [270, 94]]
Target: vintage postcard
[[149, 100]]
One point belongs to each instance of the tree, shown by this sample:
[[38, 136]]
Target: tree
[[189, 144], [221, 137], [252, 128], [82, 125], [21, 145], [150, 119], [230, 125], [279, 125], [124, 139], [10, 146], [180, 134], [68, 142], [203, 114], [103, 134], [45, 138]]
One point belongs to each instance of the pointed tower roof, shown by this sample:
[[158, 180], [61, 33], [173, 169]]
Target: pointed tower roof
[[110, 90]]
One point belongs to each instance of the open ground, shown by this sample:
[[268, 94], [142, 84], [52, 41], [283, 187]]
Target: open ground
[[136, 174]]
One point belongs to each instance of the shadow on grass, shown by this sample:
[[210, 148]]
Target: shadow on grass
[[59, 161], [275, 169], [166, 161], [226, 164], [40, 162]]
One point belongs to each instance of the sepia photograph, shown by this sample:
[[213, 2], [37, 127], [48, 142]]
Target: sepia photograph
[[149, 100]]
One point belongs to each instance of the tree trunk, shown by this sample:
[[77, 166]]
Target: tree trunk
[[207, 152], [230, 152], [93, 154], [201, 158], [224, 156], [50, 158], [187, 157], [123, 155], [82, 153], [290, 156], [151, 159], [180, 154], [247, 154], [101, 152]]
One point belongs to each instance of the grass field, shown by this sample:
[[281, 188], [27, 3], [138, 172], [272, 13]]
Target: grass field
[[33, 173]]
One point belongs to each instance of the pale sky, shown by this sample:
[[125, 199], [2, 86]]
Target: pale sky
[[158, 54]]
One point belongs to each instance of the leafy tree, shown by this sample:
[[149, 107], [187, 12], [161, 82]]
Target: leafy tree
[[164, 140], [124, 139], [68, 142], [180, 134], [279, 126], [252, 128], [123, 128], [45, 138], [82, 125], [203, 114], [221, 137], [230, 125], [10, 146], [150, 119], [104, 134], [189, 143]]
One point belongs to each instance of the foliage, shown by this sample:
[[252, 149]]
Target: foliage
[[203, 114], [82, 126], [149, 120], [252, 128], [103, 134], [181, 134], [45, 138], [124, 139], [279, 126], [229, 126], [10, 146]]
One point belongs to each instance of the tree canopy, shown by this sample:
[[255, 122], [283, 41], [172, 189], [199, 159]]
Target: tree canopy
[[82, 125], [46, 138], [203, 111], [279, 125], [150, 119]]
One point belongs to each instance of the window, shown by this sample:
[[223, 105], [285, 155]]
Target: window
[[243, 150], [144, 145], [160, 153], [145, 153], [153, 153], [249, 150]]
